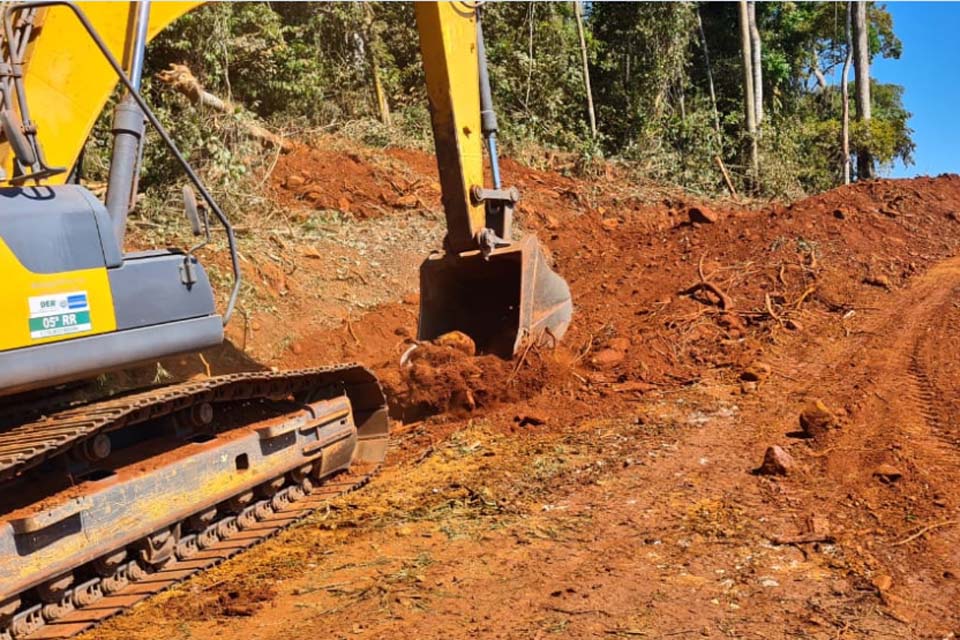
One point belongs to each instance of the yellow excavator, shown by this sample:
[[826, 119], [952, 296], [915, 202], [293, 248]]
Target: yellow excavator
[[104, 502]]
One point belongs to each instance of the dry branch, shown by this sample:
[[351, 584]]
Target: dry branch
[[809, 290], [179, 78], [926, 529], [725, 302]]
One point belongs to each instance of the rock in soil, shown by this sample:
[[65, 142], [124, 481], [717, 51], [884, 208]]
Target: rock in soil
[[777, 462], [887, 473], [756, 372], [816, 419], [607, 358], [883, 582], [881, 281], [294, 181], [702, 215], [459, 341], [530, 420], [620, 344]]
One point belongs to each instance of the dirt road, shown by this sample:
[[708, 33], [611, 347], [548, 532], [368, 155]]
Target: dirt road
[[609, 488]]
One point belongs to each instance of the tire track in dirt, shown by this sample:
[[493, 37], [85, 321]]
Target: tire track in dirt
[[895, 383]]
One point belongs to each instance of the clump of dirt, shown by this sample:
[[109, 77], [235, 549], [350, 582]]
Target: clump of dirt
[[440, 378], [240, 602], [367, 187]]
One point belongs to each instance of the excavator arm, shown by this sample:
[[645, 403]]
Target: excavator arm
[[500, 292]]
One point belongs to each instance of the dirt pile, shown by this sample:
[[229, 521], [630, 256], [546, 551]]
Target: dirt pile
[[702, 332], [357, 183], [446, 376]]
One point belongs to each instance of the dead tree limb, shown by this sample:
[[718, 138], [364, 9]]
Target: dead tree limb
[[724, 301], [179, 78]]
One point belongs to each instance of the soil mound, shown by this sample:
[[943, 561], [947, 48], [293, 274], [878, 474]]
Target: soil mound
[[445, 379]]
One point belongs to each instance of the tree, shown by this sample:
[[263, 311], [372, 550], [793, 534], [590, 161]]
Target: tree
[[578, 11], [749, 104], [373, 44], [861, 72], [844, 82], [710, 85], [756, 63]]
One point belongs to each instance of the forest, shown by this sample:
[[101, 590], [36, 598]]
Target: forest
[[765, 99]]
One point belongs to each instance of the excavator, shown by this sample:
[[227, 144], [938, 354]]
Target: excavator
[[110, 498]]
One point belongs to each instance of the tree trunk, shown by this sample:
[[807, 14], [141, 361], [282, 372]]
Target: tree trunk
[[180, 78], [749, 106], [757, 64], [578, 12], [844, 81], [817, 73], [861, 74], [713, 93], [373, 51]]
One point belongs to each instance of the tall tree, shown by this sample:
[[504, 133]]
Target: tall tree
[[578, 12], [845, 93], [756, 63], [861, 73], [710, 85], [373, 47], [749, 104]]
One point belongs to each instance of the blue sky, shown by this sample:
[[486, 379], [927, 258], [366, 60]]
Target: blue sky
[[929, 70]]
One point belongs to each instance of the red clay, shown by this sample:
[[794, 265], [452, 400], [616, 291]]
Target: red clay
[[694, 347]]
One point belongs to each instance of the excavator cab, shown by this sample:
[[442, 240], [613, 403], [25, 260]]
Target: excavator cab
[[499, 291]]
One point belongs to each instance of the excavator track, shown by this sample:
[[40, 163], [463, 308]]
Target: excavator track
[[321, 432]]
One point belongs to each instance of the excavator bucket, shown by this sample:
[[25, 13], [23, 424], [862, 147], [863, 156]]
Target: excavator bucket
[[502, 301]]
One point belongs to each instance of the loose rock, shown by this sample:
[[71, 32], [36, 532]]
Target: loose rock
[[607, 358], [757, 372], [777, 462], [879, 281], [702, 215], [459, 341], [529, 419], [816, 419], [883, 582], [887, 473], [294, 181], [620, 344]]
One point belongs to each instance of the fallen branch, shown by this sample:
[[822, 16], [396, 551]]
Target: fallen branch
[[577, 612], [926, 529], [725, 302], [179, 78], [769, 305], [206, 365], [809, 290], [804, 539], [726, 176], [352, 334]]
